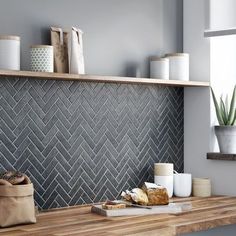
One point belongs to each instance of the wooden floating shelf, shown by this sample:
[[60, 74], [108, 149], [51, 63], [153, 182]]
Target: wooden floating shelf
[[101, 79], [221, 156]]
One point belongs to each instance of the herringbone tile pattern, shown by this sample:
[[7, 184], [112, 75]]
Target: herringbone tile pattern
[[85, 142]]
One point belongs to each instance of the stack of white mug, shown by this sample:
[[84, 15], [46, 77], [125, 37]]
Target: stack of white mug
[[163, 175], [179, 183]]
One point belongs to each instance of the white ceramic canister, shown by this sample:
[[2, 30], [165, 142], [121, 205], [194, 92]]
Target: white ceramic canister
[[9, 52], [41, 58], [163, 175], [159, 68], [179, 66], [201, 187]]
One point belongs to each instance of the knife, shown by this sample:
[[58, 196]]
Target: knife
[[133, 205]]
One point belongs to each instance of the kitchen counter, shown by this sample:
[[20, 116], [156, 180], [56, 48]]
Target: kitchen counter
[[207, 213]]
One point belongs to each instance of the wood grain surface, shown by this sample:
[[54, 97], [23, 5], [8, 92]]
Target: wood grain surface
[[207, 213], [221, 156], [101, 79]]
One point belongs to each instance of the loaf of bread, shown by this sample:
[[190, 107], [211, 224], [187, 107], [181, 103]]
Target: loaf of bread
[[157, 195], [5, 182], [136, 195], [150, 194], [14, 178]]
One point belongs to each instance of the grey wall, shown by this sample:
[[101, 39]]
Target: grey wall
[[118, 34], [172, 26]]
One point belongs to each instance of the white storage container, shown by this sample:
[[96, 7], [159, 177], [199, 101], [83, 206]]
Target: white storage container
[[179, 66], [163, 175], [41, 58], [9, 52], [159, 68]]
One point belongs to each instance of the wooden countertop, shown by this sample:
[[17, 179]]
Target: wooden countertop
[[207, 213]]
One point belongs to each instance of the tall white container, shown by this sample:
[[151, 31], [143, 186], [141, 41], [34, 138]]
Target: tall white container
[[163, 175], [179, 66], [159, 68], [9, 52], [41, 58]]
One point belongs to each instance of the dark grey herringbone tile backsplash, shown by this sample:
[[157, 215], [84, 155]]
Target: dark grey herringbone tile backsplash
[[85, 142]]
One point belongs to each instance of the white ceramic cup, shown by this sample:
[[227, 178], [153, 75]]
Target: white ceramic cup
[[165, 181], [182, 185]]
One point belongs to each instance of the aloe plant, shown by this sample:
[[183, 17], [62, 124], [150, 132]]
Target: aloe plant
[[226, 115]]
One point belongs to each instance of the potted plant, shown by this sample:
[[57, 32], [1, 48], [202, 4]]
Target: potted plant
[[226, 131]]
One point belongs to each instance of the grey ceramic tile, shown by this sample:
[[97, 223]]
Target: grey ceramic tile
[[86, 142]]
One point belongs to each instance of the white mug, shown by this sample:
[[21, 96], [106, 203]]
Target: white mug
[[182, 185], [165, 181]]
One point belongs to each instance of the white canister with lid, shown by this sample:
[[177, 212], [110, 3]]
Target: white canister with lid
[[9, 52], [41, 58], [179, 66], [163, 175], [159, 68]]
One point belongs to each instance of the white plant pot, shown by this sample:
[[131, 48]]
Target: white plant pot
[[226, 136]]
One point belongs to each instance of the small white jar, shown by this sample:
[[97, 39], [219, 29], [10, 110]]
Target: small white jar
[[41, 58], [159, 68], [201, 187], [9, 52], [179, 66]]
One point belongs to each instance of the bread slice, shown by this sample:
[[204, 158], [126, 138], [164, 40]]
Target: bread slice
[[109, 205]]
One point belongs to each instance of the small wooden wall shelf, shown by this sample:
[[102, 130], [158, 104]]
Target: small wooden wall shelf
[[221, 156], [219, 32], [101, 79]]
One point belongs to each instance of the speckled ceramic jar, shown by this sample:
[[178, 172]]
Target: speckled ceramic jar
[[41, 58]]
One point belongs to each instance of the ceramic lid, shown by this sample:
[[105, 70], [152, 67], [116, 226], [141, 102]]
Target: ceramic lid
[[9, 37]]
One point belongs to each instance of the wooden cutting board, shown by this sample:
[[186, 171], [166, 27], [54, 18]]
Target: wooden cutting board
[[172, 208]]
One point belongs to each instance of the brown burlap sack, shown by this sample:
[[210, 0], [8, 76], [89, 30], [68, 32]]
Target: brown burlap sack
[[59, 41], [16, 205]]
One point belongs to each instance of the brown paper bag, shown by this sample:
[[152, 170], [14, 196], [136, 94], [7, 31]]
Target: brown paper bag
[[16, 205], [59, 41]]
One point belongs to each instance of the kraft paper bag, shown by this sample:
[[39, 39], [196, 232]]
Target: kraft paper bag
[[75, 52], [59, 41], [16, 205]]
